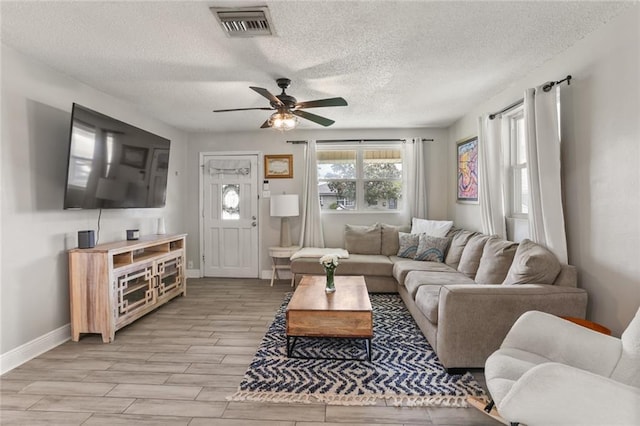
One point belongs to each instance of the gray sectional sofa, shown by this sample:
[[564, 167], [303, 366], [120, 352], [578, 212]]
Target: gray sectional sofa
[[466, 301]]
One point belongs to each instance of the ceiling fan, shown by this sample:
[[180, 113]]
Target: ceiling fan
[[288, 108]]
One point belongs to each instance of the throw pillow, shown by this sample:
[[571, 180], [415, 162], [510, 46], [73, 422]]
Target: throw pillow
[[431, 248], [496, 260], [471, 254], [391, 239], [408, 244], [458, 242], [534, 264], [435, 228], [362, 239]]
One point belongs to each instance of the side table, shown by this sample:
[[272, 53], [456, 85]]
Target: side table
[[589, 324], [283, 253]]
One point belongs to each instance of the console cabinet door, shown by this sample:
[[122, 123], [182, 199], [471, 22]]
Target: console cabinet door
[[134, 292], [170, 272]]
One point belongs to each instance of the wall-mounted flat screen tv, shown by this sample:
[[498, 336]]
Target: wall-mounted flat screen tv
[[114, 165]]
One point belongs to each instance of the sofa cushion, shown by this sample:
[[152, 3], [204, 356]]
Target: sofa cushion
[[408, 245], [416, 279], [471, 254], [436, 228], [431, 248], [391, 238], [427, 299], [453, 231], [458, 241], [402, 266], [496, 260], [363, 239], [356, 264], [533, 264]]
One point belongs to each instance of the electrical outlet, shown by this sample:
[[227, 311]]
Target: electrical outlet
[[190, 264]]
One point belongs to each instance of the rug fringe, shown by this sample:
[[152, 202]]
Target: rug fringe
[[329, 399], [428, 401]]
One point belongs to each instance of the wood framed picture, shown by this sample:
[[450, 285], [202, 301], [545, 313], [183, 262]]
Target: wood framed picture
[[278, 166], [467, 180], [134, 156]]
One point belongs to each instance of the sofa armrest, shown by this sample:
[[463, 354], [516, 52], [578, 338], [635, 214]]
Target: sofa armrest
[[553, 393], [473, 319]]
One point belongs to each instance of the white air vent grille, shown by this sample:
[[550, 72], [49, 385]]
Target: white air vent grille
[[244, 22]]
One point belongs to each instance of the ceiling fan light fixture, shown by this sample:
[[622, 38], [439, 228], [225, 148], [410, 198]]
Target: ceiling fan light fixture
[[283, 121]]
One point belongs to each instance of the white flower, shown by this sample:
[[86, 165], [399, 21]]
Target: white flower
[[329, 261]]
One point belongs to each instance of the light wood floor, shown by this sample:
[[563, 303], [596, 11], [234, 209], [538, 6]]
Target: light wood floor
[[176, 366]]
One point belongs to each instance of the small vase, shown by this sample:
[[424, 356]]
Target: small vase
[[330, 287]]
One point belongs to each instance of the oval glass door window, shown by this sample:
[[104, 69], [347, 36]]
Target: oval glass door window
[[230, 202]]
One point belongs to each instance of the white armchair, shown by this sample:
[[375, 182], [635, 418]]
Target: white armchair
[[551, 371]]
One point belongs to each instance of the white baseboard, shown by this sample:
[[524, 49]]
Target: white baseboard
[[193, 273], [264, 275], [283, 275], [30, 350]]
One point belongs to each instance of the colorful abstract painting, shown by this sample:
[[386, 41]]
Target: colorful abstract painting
[[468, 170]]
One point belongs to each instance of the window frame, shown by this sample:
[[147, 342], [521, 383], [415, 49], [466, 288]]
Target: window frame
[[360, 179], [514, 167]]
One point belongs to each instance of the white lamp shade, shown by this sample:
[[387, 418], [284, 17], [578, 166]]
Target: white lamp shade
[[285, 205]]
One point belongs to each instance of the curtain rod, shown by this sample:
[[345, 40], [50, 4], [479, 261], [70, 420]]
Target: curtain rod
[[358, 140], [519, 102]]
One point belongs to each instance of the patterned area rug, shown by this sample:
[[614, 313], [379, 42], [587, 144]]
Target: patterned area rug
[[404, 370]]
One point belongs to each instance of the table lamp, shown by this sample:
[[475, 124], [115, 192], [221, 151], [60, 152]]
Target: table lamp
[[284, 206]]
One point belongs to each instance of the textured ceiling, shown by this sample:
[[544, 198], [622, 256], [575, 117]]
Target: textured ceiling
[[398, 63]]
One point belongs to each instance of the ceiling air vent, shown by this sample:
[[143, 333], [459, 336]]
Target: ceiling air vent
[[244, 22]]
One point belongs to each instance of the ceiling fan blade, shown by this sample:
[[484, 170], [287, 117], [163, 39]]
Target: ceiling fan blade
[[313, 117], [265, 125], [330, 102], [242, 109], [267, 94]]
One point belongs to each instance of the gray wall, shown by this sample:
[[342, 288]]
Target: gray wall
[[267, 141], [601, 153], [36, 232]]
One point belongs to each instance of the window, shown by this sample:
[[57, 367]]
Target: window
[[83, 142], [362, 178], [231, 202], [519, 181]]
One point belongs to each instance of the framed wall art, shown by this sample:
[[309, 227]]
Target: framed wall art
[[278, 166], [467, 179]]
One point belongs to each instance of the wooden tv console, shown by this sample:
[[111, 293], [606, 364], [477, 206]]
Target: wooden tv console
[[114, 284]]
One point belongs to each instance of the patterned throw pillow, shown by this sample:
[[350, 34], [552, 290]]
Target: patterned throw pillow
[[408, 244], [431, 248]]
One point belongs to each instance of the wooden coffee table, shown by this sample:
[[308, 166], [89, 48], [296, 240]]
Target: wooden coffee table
[[346, 313]]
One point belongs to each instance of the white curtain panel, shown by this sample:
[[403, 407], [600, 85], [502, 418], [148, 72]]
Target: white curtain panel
[[492, 176], [311, 230], [417, 191], [546, 217]]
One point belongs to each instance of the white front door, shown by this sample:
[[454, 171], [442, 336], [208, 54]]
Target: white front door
[[230, 215]]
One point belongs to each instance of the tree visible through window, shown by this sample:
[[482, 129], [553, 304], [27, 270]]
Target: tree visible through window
[[362, 178]]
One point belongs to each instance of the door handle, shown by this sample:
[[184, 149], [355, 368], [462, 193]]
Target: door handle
[[254, 224]]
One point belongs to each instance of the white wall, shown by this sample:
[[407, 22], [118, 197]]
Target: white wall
[[36, 231], [601, 153], [268, 141]]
